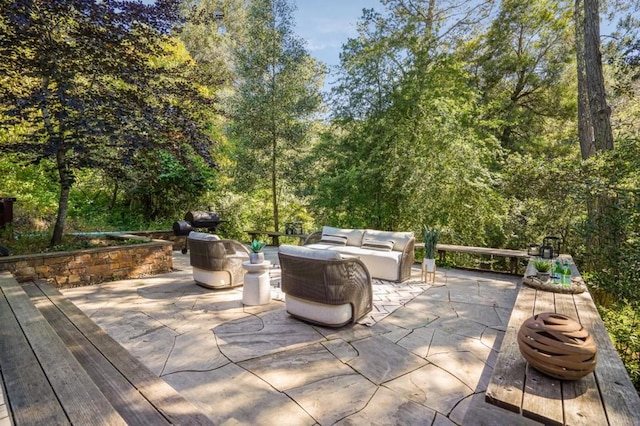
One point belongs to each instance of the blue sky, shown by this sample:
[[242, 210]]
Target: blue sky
[[327, 24]]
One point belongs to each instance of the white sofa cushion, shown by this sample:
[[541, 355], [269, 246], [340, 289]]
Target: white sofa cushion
[[400, 239], [354, 236], [377, 244], [383, 265], [339, 240]]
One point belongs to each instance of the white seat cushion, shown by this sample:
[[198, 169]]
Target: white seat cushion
[[328, 253], [335, 315], [212, 279], [203, 236]]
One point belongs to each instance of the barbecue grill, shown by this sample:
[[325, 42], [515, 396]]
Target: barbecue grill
[[196, 220]]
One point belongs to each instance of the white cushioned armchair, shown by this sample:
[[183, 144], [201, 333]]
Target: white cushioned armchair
[[216, 263], [324, 288]]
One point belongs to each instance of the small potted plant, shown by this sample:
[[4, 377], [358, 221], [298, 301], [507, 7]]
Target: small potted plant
[[431, 237], [256, 255], [543, 268]]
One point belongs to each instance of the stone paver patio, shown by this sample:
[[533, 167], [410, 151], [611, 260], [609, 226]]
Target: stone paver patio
[[424, 357]]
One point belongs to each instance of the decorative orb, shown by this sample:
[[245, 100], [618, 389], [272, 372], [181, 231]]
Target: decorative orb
[[557, 346]]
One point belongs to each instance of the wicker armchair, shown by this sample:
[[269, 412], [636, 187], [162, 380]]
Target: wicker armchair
[[323, 288], [216, 263]]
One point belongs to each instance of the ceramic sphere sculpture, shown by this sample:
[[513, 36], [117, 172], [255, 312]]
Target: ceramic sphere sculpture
[[557, 346]]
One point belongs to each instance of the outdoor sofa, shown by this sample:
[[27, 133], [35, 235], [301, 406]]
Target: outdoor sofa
[[324, 288], [387, 255], [217, 263]]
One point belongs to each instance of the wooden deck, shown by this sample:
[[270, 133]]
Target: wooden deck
[[606, 397], [60, 368]]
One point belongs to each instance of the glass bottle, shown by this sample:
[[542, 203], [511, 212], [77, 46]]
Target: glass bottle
[[557, 272], [566, 273]]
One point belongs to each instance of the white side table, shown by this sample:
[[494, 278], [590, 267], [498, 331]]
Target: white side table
[[257, 285]]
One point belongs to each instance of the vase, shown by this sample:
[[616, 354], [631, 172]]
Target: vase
[[256, 257], [428, 270], [543, 276]]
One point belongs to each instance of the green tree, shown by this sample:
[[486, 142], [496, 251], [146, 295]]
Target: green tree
[[409, 129], [521, 66], [212, 31], [80, 88], [276, 100]]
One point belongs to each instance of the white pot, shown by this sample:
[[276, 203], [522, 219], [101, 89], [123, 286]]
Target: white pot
[[429, 265], [256, 257]]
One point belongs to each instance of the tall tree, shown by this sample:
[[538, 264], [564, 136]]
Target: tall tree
[[409, 128], [277, 97], [82, 90], [591, 80], [521, 66]]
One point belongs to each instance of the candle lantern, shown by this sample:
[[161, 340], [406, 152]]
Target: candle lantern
[[554, 243], [546, 252], [534, 250]]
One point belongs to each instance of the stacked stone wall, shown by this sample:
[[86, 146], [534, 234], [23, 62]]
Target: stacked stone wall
[[92, 266]]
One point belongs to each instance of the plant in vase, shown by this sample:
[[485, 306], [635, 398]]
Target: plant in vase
[[431, 236], [543, 269], [256, 255]]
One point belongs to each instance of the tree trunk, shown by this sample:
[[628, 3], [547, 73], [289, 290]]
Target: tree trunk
[[600, 111], [274, 186], [66, 181], [585, 130]]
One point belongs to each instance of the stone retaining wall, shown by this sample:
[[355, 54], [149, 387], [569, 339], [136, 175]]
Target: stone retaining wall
[[92, 266]]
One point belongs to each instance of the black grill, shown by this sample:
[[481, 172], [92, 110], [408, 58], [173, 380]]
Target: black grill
[[196, 220]]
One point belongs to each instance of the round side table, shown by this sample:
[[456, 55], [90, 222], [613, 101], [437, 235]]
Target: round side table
[[257, 285]]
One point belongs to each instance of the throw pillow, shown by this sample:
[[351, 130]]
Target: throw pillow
[[381, 245], [338, 240]]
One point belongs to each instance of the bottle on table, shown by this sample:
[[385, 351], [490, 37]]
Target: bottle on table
[[557, 272], [566, 273]]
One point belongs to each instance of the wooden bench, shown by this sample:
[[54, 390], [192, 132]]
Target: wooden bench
[[275, 236], [606, 396], [59, 367], [514, 256]]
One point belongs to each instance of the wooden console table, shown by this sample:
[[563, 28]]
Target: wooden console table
[[606, 396]]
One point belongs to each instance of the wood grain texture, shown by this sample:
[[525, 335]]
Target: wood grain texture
[[173, 406], [542, 399], [30, 398], [507, 381], [620, 399], [82, 401], [131, 405], [604, 397]]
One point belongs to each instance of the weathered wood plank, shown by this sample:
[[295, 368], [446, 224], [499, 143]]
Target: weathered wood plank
[[81, 399], [542, 399], [30, 398], [606, 397], [621, 401], [507, 381], [158, 392], [131, 405], [581, 398]]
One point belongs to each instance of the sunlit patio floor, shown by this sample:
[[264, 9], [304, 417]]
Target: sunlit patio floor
[[424, 356]]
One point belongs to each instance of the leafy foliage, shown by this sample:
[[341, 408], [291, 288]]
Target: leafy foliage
[[82, 91], [276, 97], [431, 237]]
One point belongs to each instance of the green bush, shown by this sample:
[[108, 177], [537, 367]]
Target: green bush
[[623, 323]]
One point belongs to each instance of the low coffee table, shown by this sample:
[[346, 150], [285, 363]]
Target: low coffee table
[[257, 284]]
